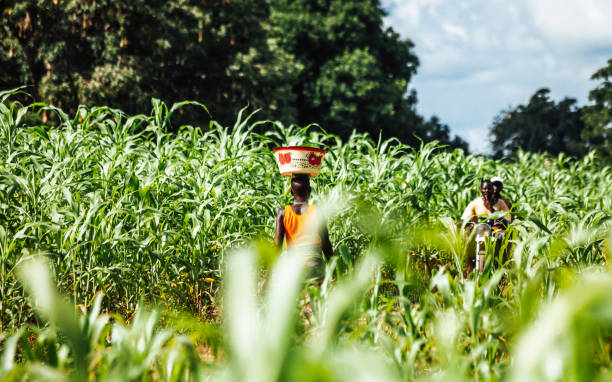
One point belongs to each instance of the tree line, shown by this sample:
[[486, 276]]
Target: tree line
[[329, 62], [546, 126]]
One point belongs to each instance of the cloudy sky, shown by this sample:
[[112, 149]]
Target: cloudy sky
[[478, 57]]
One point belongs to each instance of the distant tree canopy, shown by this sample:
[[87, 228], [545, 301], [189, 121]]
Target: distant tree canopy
[[545, 126], [598, 116], [433, 129], [122, 54], [355, 74], [301, 61], [540, 126]]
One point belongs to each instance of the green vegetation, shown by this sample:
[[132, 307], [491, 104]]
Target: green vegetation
[[540, 126], [544, 126], [329, 62], [140, 225], [598, 116]]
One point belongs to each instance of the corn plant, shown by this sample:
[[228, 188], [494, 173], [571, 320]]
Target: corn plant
[[142, 212]]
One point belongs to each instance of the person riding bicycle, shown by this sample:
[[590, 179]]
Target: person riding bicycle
[[479, 210]]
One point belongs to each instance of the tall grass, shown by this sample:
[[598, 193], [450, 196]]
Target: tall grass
[[121, 207]]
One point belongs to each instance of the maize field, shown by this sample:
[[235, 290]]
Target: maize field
[[134, 249]]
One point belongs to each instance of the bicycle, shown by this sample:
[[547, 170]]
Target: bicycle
[[487, 231]]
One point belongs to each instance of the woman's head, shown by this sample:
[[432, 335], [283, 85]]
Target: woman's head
[[300, 187], [497, 188]]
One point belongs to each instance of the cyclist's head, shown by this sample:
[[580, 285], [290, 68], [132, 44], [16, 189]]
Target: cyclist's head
[[486, 188], [498, 186]]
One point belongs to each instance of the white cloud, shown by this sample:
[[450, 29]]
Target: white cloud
[[410, 12], [479, 57], [582, 25], [455, 32], [479, 142]]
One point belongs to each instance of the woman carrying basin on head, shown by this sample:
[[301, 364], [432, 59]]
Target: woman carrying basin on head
[[297, 225]]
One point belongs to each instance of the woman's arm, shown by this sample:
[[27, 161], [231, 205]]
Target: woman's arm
[[469, 212], [279, 234]]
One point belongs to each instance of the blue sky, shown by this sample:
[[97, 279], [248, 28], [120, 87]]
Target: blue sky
[[479, 57]]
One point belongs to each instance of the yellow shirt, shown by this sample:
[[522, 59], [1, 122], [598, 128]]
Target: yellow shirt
[[477, 208]]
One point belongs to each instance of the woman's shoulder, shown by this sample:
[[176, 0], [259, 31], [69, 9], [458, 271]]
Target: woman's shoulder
[[281, 212], [501, 205], [507, 202]]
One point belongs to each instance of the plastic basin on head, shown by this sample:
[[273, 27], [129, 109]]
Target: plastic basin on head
[[299, 160]]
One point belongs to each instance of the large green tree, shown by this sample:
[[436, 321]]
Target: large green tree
[[355, 72], [433, 129], [598, 115], [122, 54], [298, 61], [540, 126]]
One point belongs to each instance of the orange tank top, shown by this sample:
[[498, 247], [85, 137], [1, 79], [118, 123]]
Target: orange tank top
[[301, 230]]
